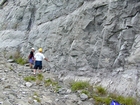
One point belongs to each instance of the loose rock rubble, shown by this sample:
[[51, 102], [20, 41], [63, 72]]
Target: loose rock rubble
[[16, 91]]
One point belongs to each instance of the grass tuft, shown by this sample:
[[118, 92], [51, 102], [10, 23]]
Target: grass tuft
[[30, 78], [100, 90], [100, 95], [40, 77], [79, 85], [20, 61]]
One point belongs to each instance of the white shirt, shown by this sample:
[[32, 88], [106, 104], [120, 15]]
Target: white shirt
[[39, 56]]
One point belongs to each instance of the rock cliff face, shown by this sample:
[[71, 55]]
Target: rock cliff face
[[83, 39], [74, 34]]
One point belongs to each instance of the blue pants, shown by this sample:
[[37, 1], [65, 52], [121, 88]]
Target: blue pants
[[38, 64]]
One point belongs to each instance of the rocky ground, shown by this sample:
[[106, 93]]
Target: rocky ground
[[16, 91]]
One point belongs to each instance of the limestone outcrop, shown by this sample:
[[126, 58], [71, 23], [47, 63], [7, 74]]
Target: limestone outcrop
[[77, 36]]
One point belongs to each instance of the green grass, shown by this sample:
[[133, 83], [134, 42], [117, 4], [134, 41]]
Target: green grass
[[29, 78], [40, 77], [100, 95], [79, 85], [11, 57], [55, 86], [20, 61], [100, 90], [101, 100], [124, 100], [50, 82], [36, 97], [86, 92]]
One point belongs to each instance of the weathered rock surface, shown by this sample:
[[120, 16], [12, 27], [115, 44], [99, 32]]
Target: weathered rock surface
[[93, 40], [75, 35], [16, 91]]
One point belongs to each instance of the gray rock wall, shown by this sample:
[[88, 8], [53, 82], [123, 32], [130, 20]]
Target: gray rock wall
[[74, 34]]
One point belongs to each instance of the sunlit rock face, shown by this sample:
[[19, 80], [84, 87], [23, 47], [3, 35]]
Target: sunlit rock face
[[74, 34]]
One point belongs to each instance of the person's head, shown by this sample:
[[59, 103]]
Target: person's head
[[32, 49], [40, 49]]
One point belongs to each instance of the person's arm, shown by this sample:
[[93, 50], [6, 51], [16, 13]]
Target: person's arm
[[46, 59]]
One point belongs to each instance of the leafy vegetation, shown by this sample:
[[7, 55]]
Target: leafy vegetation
[[40, 77], [100, 95], [100, 90], [18, 58], [79, 85], [30, 78], [20, 61], [50, 82], [55, 86], [36, 97]]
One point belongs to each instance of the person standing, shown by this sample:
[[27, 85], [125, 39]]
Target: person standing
[[38, 60], [31, 58]]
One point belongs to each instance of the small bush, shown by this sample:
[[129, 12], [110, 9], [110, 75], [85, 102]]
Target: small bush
[[79, 85]]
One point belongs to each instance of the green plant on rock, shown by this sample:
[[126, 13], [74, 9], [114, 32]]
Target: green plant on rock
[[56, 88], [29, 78], [40, 77], [100, 95], [100, 90], [86, 92], [36, 94], [79, 85], [124, 100], [11, 57], [101, 100], [36, 97], [50, 82], [20, 61], [54, 85]]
